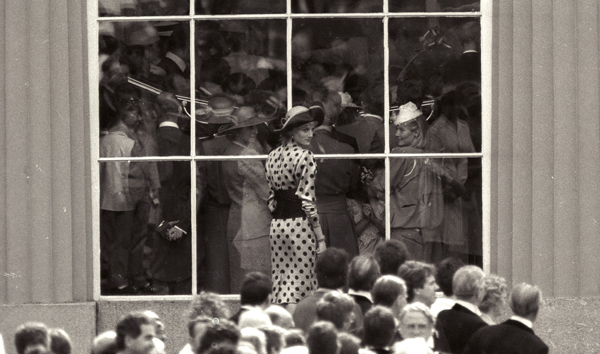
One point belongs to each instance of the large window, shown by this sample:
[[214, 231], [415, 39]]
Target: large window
[[183, 192]]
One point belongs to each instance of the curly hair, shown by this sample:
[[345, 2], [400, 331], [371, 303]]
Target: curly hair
[[493, 292]]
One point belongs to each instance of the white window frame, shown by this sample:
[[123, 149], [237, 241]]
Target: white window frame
[[486, 22]]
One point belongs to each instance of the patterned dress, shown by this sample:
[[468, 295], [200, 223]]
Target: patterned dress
[[290, 168]]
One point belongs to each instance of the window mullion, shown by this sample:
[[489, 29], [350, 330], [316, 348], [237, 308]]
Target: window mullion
[[193, 162]]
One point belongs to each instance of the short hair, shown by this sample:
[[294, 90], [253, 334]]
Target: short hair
[[525, 300], [321, 338], [331, 268], [294, 337], [60, 342], [363, 271], [386, 290], [445, 271], [493, 292], [105, 343], [349, 344], [254, 318], [379, 327], [31, 333], [418, 307], [415, 275], [255, 289], [191, 325], [256, 337], [222, 349], [208, 304], [275, 336], [130, 325], [391, 255], [218, 333], [280, 316], [467, 281], [335, 307]]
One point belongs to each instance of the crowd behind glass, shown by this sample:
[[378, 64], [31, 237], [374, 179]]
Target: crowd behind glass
[[241, 82]]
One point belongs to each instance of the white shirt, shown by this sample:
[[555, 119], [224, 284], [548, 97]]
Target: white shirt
[[441, 304]]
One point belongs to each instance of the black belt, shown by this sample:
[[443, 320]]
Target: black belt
[[288, 205]]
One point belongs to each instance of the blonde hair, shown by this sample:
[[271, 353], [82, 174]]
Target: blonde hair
[[419, 124]]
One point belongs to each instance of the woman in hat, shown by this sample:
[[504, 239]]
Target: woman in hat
[[249, 214], [296, 234], [416, 199]]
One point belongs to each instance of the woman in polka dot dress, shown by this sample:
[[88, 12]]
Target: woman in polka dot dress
[[295, 233]]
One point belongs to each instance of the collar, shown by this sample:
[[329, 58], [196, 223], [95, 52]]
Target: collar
[[470, 51], [469, 306], [180, 63], [522, 320], [373, 116], [361, 293], [168, 124]]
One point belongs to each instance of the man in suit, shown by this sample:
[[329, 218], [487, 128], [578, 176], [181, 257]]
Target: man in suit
[[515, 335], [255, 292], [456, 326], [172, 259]]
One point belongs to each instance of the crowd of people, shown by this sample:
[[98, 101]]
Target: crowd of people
[[369, 304], [240, 116]]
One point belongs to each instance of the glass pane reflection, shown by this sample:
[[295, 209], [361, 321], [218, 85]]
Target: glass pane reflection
[[143, 7], [231, 7], [439, 70], [145, 226], [433, 6], [434, 209], [336, 6]]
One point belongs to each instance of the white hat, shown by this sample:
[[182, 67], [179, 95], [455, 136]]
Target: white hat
[[347, 100], [406, 112]]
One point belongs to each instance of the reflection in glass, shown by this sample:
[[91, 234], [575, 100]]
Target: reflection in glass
[[440, 71], [433, 6], [231, 7], [336, 6], [143, 7]]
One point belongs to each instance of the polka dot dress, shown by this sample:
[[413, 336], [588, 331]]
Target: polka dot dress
[[293, 243]]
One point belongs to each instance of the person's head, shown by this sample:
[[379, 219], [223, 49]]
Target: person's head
[[255, 318], [336, 307], [208, 304], [389, 291], [275, 336], [391, 255], [466, 284], [244, 126], [255, 337], [60, 342], [321, 338], [349, 344], [416, 321], [494, 294], [280, 316], [219, 333], [372, 99], [298, 125], [255, 289], [135, 333], [158, 325], [128, 104], [526, 300], [169, 107], [420, 281], [411, 126], [31, 336], [331, 268], [294, 337], [379, 327], [363, 271], [196, 329], [445, 272], [105, 343]]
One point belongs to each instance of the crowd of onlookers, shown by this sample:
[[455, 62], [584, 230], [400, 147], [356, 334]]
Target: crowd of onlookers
[[381, 303]]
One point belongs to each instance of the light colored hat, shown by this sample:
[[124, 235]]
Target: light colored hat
[[405, 113], [218, 110], [144, 36], [242, 117], [296, 116], [347, 100]]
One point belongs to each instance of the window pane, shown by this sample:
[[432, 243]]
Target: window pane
[[436, 64], [434, 209], [145, 225], [336, 6], [433, 5], [230, 7], [333, 55], [143, 7]]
